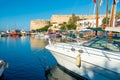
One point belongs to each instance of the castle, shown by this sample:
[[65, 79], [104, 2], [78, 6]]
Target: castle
[[58, 19]]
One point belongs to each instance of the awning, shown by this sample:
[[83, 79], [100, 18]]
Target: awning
[[96, 29], [114, 29]]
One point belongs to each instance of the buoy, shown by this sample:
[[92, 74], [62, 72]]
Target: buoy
[[78, 60]]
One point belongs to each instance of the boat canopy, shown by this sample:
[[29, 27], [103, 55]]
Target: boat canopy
[[113, 29], [96, 29]]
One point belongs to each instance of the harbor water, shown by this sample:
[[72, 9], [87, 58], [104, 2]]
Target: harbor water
[[28, 59]]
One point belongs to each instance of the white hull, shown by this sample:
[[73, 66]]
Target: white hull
[[94, 64], [3, 65]]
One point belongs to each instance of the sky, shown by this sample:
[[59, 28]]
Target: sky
[[19, 13]]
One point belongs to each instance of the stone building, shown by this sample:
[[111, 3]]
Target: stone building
[[58, 20], [36, 24], [90, 16]]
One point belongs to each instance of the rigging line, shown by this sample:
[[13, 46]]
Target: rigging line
[[94, 9], [86, 11], [74, 6], [90, 10]]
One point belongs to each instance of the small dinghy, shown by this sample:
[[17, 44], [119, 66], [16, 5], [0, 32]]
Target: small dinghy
[[3, 66]]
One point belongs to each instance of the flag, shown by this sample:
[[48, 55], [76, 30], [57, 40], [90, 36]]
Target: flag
[[94, 1], [100, 2], [116, 1]]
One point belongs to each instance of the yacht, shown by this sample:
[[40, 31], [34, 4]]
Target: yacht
[[96, 59]]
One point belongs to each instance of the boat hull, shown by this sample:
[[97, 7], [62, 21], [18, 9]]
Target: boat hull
[[89, 70]]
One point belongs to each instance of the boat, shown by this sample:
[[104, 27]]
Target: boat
[[15, 34], [41, 36], [96, 59], [23, 33], [4, 34], [3, 66]]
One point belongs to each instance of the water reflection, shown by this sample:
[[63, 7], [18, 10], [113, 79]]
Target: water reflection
[[58, 72], [37, 43], [27, 64], [23, 38], [24, 63]]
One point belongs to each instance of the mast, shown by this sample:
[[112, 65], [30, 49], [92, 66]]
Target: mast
[[107, 13], [112, 20], [97, 15], [113, 14]]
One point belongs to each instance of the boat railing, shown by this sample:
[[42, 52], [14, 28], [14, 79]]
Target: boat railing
[[68, 47]]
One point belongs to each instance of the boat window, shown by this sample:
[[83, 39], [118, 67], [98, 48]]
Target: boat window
[[103, 44], [112, 47], [92, 41]]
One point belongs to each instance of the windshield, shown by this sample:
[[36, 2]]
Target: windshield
[[102, 43]]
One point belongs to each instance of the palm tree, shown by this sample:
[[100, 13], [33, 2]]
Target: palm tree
[[118, 15], [73, 20], [64, 26]]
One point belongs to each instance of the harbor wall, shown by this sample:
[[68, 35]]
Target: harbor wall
[[36, 24]]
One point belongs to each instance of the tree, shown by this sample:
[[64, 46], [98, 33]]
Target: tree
[[71, 26], [118, 15], [45, 28], [104, 20], [64, 26], [72, 21]]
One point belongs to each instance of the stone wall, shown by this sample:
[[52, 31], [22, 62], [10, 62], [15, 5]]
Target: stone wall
[[90, 16], [36, 24], [58, 19]]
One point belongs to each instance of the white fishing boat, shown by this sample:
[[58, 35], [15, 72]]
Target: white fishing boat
[[3, 66], [23, 33], [96, 59], [41, 36]]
